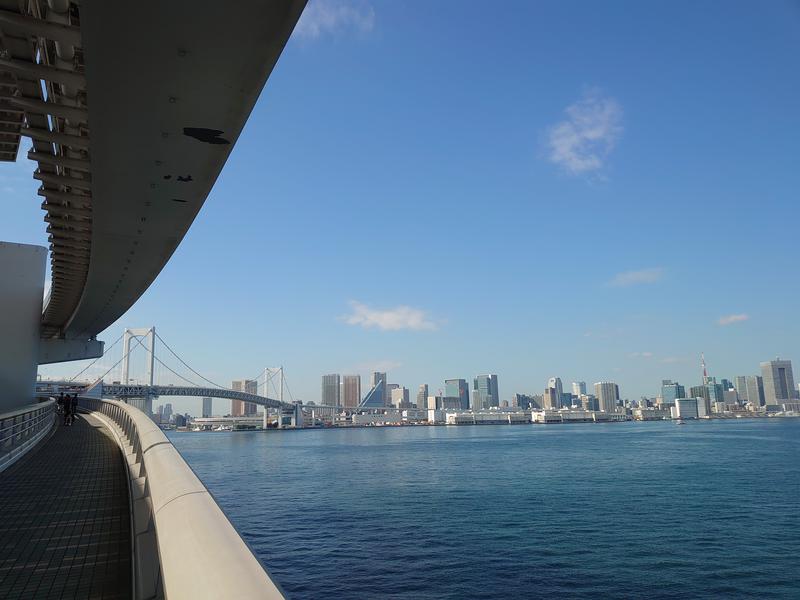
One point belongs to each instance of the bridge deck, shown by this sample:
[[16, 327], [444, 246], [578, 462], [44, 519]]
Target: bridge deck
[[65, 519]]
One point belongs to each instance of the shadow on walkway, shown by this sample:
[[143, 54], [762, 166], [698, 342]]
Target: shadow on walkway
[[65, 520]]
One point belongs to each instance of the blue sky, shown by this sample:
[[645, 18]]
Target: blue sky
[[588, 190]]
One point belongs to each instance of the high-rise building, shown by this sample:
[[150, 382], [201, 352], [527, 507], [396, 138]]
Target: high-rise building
[[400, 397], [351, 391], [714, 392], [589, 402], [457, 388], [740, 382], [671, 391], [487, 392], [207, 407], [578, 388], [607, 393], [331, 390], [240, 408], [754, 385], [376, 377], [528, 402], [375, 397], [555, 384], [167, 412], [390, 388], [778, 381], [422, 396], [551, 400]]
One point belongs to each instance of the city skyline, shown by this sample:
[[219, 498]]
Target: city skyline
[[450, 136]]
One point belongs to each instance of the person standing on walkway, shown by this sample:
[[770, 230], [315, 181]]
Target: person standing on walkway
[[73, 408], [66, 405], [60, 403]]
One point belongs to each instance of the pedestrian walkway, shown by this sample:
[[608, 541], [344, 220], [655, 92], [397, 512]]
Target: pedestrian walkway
[[65, 518]]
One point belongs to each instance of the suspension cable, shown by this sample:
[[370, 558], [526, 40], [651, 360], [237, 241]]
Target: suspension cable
[[176, 373], [98, 358], [187, 366]]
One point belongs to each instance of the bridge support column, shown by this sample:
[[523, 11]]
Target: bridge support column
[[22, 269]]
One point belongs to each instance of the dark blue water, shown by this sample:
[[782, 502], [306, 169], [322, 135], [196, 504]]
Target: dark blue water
[[630, 510]]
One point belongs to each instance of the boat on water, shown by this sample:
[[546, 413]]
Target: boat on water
[[680, 422]]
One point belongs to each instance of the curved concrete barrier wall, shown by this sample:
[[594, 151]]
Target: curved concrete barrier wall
[[22, 429], [184, 545]]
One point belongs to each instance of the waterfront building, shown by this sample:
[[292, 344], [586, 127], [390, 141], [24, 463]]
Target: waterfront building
[[652, 414], [778, 381], [457, 388], [671, 391], [351, 391], [207, 407], [703, 406], [376, 377], [375, 397], [527, 402], [686, 408], [607, 393], [487, 392], [400, 398], [422, 396], [331, 390], [578, 388], [240, 408]]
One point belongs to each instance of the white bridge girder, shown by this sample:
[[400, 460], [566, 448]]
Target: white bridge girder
[[143, 391]]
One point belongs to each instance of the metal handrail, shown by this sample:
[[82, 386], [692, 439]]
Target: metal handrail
[[21, 429], [184, 545]]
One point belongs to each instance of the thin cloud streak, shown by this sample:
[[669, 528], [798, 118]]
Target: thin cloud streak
[[583, 141], [334, 17], [731, 319], [642, 276], [392, 319], [382, 366]]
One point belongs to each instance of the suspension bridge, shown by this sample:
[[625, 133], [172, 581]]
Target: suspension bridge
[[135, 372]]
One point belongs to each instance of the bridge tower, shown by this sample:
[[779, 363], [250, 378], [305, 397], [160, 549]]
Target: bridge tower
[[129, 336], [269, 373], [149, 334]]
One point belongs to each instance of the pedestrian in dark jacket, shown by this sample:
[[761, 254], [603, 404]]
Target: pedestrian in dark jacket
[[73, 408]]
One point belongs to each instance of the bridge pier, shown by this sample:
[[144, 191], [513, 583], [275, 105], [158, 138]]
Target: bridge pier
[[22, 269]]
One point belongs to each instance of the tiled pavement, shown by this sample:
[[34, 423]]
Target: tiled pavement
[[64, 518]]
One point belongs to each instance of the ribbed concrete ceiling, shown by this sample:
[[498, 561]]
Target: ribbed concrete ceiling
[[145, 102]]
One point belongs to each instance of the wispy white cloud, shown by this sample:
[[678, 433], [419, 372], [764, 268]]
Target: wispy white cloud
[[731, 319], [669, 360], [378, 365], [322, 17], [626, 278], [640, 355], [582, 142], [392, 319]]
